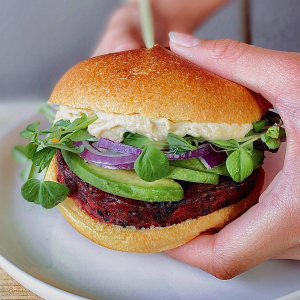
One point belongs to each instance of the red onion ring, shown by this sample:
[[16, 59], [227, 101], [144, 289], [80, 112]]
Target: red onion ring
[[106, 158], [201, 151], [118, 147], [213, 159], [112, 159]]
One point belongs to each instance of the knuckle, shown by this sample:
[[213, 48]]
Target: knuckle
[[287, 66], [292, 69], [224, 267], [228, 49], [291, 65]]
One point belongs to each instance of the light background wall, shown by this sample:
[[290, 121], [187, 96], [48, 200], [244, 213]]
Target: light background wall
[[41, 39]]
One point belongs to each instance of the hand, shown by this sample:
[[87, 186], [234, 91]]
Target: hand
[[124, 31], [270, 229]]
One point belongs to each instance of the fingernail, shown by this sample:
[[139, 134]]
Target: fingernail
[[184, 39], [125, 46]]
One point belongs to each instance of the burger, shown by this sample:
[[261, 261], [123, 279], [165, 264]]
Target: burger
[[151, 150]]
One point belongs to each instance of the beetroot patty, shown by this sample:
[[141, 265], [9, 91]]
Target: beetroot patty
[[199, 199]]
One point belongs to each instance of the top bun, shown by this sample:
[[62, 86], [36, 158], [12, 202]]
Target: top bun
[[156, 83]]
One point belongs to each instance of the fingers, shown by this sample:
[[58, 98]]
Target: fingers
[[123, 31], [274, 74], [270, 228], [129, 45], [257, 236]]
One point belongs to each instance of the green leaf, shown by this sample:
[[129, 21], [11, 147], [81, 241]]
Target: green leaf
[[78, 121], [248, 147], [30, 130], [239, 165], [259, 126], [25, 172], [43, 157], [250, 133], [62, 123], [273, 132], [282, 133], [50, 130], [76, 150], [272, 143], [18, 154], [30, 190], [80, 135], [135, 140], [152, 164], [257, 158], [52, 193], [34, 172], [194, 140], [47, 193], [228, 145], [179, 145], [30, 149]]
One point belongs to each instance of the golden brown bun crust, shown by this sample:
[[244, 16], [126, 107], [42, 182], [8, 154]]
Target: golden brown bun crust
[[150, 240], [156, 83]]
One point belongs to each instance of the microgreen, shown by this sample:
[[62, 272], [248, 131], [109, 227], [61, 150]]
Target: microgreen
[[140, 141], [244, 154], [247, 153], [18, 154], [179, 145], [257, 158], [239, 164], [135, 140], [152, 164], [272, 143], [194, 140], [273, 132], [40, 153], [46, 193], [259, 126]]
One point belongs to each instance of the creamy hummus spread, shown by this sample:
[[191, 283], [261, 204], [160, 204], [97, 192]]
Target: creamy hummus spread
[[112, 126]]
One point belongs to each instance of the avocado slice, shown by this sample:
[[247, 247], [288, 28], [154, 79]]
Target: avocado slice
[[124, 183], [192, 175], [196, 164]]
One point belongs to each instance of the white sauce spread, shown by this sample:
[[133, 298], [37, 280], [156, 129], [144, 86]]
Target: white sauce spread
[[112, 126]]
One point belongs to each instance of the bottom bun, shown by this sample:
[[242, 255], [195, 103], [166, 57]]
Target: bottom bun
[[130, 239]]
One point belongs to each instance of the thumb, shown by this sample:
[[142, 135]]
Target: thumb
[[273, 74]]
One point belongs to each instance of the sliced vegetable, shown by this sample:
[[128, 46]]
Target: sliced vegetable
[[192, 175], [105, 158], [118, 147], [124, 183], [213, 159], [204, 149]]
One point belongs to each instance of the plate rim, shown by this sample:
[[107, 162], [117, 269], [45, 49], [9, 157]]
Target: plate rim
[[36, 285], [30, 282]]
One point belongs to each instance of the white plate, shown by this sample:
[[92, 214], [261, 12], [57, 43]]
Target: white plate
[[44, 253]]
